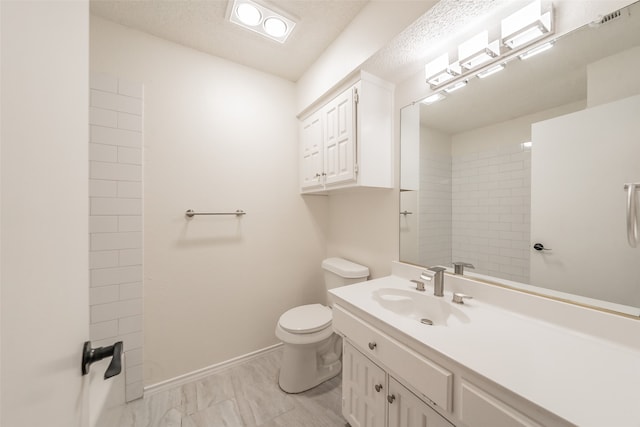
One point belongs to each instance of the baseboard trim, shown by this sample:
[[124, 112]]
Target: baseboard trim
[[205, 372]]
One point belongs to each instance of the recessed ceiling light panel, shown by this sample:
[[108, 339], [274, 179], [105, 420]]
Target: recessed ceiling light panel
[[262, 19]]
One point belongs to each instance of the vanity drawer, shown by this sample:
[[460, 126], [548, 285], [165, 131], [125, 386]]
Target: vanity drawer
[[425, 376]]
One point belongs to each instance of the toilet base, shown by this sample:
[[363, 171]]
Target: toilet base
[[305, 366]]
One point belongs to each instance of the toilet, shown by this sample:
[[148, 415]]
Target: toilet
[[312, 350]]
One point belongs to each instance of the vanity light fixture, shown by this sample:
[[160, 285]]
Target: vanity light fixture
[[526, 26], [440, 71], [536, 50], [433, 98], [490, 71], [478, 51], [261, 19]]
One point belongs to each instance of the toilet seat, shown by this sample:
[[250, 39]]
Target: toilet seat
[[306, 319]]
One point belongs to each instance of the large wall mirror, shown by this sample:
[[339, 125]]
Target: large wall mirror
[[522, 174]]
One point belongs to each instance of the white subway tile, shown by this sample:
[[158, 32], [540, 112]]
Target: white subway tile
[[133, 374], [133, 357], [128, 325], [103, 224], [115, 206], [133, 391], [130, 189], [116, 275], [104, 312], [102, 117], [104, 294], [131, 290], [103, 153], [129, 88], [103, 330], [110, 101], [132, 341], [131, 257], [130, 223], [131, 307], [111, 136], [130, 155], [103, 259], [129, 122], [115, 171], [104, 82], [102, 188], [106, 241]]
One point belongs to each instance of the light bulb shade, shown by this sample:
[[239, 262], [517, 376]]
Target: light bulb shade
[[536, 50], [456, 86], [526, 26], [275, 27], [439, 71], [433, 98], [490, 71], [248, 14]]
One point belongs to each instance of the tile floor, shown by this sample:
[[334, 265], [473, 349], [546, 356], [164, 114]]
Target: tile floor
[[245, 395]]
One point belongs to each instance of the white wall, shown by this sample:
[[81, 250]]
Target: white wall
[[44, 264], [218, 137]]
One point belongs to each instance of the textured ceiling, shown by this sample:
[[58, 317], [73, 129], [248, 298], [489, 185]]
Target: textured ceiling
[[201, 25], [408, 52]]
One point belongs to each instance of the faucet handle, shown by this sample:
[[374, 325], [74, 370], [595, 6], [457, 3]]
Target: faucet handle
[[459, 266], [419, 285], [459, 298], [437, 269]]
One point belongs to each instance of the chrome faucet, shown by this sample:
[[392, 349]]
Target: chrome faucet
[[435, 275], [458, 267]]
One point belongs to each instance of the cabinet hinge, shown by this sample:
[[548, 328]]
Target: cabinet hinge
[[356, 97]]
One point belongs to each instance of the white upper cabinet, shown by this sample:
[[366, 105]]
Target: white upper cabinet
[[347, 141]]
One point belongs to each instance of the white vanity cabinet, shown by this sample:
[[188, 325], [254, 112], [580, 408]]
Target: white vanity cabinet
[[373, 398], [385, 383], [347, 141]]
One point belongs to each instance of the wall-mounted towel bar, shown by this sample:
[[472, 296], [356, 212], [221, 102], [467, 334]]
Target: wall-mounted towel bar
[[191, 213]]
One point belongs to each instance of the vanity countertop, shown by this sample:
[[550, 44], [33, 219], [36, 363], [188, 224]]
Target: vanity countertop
[[584, 379]]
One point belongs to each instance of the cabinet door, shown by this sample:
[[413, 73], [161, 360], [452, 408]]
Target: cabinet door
[[363, 389], [339, 139], [406, 410], [311, 165]]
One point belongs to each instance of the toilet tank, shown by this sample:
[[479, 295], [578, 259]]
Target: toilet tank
[[341, 272]]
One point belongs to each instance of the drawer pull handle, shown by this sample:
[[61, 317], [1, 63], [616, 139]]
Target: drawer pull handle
[[391, 398], [378, 387], [372, 345]]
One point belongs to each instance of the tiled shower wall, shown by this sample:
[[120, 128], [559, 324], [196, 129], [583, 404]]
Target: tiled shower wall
[[491, 210], [115, 222], [434, 203]]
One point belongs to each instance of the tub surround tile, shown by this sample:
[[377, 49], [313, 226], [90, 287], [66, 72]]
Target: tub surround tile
[[115, 191]]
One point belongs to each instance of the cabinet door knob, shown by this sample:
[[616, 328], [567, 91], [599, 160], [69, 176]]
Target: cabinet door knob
[[378, 387], [391, 398], [372, 345]]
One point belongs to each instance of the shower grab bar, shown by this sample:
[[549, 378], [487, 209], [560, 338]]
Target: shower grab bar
[[191, 213], [632, 213]]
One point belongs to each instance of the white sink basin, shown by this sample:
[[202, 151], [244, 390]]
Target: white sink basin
[[425, 308]]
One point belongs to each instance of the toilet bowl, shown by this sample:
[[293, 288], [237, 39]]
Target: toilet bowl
[[312, 351]]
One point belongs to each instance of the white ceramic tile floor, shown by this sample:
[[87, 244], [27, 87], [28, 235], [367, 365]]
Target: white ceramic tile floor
[[245, 395]]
